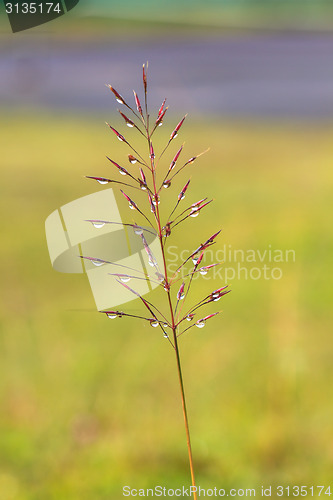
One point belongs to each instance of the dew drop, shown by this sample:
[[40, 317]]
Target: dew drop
[[154, 323], [143, 186], [203, 271], [156, 202], [130, 125], [194, 213], [97, 262], [98, 225], [189, 317], [200, 324], [166, 184], [182, 197], [166, 336], [131, 206], [111, 315], [165, 325], [124, 278], [160, 124], [120, 138], [122, 172], [195, 260], [151, 262], [174, 137], [133, 160], [120, 101], [217, 298], [138, 230], [102, 181], [181, 296]]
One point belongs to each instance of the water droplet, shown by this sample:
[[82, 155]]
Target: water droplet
[[195, 259], [216, 296], [200, 324], [203, 271], [130, 125], [143, 186], [122, 172], [138, 230], [174, 137], [182, 197], [120, 138], [189, 317], [102, 181], [133, 160], [131, 206], [181, 296], [156, 202], [124, 278], [154, 323], [165, 325], [97, 262], [98, 225], [166, 184], [112, 315], [160, 124], [120, 101], [194, 213], [166, 287], [151, 262], [166, 336]]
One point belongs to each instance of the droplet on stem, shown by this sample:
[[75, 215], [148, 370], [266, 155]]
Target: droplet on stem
[[189, 317], [216, 296], [98, 225], [194, 213], [166, 184], [102, 181], [203, 271], [124, 278], [154, 323], [151, 262], [112, 315], [195, 259], [132, 159], [97, 263], [156, 200], [138, 230], [200, 324]]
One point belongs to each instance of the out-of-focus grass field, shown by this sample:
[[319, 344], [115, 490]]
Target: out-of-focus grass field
[[89, 405]]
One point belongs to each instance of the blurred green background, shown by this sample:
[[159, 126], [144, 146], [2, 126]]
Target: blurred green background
[[89, 405]]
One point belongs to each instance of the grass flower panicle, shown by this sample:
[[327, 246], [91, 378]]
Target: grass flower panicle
[[145, 179]]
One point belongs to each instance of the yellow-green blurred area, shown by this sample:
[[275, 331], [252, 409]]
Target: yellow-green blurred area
[[88, 404]]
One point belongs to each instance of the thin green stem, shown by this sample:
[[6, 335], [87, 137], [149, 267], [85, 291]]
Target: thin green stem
[[173, 324]]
